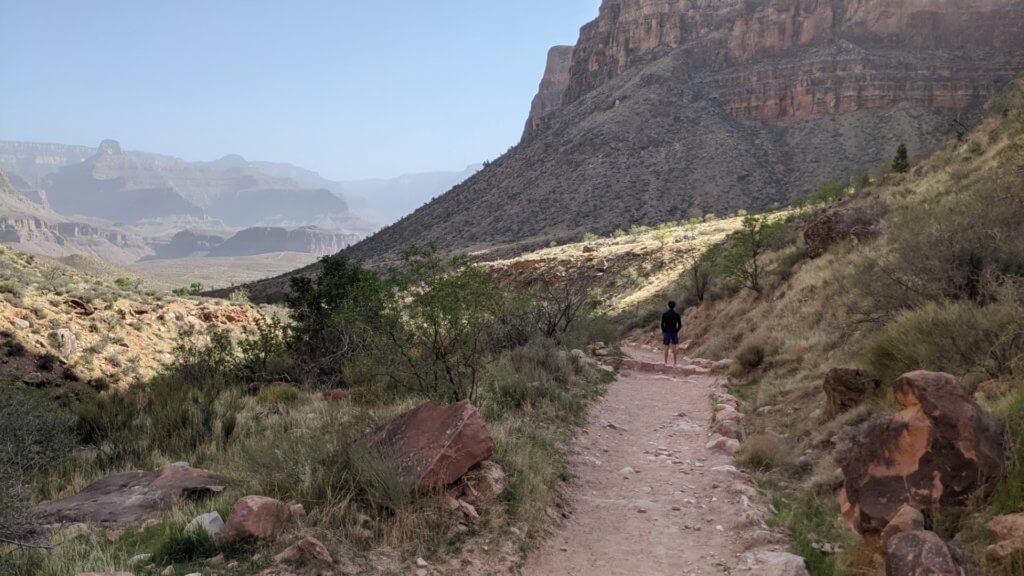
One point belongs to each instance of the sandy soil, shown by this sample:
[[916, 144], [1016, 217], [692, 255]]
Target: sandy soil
[[650, 498]]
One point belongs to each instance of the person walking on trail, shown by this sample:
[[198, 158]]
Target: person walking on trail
[[671, 324]]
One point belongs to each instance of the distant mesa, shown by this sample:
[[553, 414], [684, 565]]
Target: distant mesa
[[254, 241], [110, 148]]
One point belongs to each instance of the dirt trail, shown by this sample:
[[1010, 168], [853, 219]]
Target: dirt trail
[[682, 510]]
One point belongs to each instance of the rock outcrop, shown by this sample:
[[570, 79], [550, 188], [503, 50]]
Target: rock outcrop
[[845, 389], [133, 496], [307, 240], [552, 87], [434, 445], [939, 450], [834, 226], [188, 243], [1009, 532], [256, 518], [919, 553], [59, 238], [677, 108]]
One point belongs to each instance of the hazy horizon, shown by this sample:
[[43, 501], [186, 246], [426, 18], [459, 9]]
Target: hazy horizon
[[351, 90]]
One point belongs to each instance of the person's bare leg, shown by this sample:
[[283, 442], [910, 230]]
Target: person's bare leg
[[667, 347], [675, 355]]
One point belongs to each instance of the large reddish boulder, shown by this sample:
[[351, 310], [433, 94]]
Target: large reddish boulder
[[919, 553], [941, 448], [434, 445], [845, 389], [256, 518], [134, 496]]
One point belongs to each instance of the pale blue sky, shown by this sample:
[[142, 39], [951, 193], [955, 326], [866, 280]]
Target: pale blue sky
[[349, 88]]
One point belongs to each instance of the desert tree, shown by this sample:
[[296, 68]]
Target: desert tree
[[703, 272], [901, 162], [563, 297], [742, 259]]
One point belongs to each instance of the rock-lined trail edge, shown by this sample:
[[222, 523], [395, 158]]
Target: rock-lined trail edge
[[656, 491]]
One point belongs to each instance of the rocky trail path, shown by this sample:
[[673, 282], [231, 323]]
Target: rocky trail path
[[650, 497]]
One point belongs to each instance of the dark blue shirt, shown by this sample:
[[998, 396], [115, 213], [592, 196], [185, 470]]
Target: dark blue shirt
[[671, 322]]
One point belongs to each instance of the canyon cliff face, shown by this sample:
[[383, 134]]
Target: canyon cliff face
[[677, 108], [307, 240], [28, 226], [552, 87], [863, 70]]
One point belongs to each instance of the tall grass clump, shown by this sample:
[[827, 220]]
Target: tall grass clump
[[1009, 496], [958, 338]]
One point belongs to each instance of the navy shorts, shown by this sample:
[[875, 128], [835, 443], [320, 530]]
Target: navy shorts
[[671, 338]]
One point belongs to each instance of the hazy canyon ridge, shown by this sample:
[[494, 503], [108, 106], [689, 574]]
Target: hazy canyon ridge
[[124, 206]]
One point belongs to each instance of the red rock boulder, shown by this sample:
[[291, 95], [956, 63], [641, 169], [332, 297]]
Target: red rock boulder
[[306, 552], [941, 448], [256, 518], [845, 389], [919, 553], [434, 445]]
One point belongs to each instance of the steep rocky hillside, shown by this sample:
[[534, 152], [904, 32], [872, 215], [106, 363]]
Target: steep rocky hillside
[[63, 328], [675, 109]]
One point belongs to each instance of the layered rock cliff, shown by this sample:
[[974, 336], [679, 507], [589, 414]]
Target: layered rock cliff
[[552, 87], [739, 32], [28, 226], [308, 240], [677, 108]]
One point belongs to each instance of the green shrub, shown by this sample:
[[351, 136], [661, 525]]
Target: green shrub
[[239, 296], [901, 162], [129, 283], [322, 467], [282, 394], [742, 259], [35, 438], [195, 289], [10, 287], [535, 376], [751, 356], [762, 452], [957, 338], [830, 191], [534, 458], [811, 523], [177, 414], [959, 245]]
